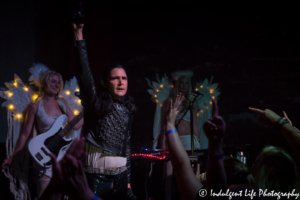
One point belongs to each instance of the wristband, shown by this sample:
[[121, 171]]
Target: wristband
[[284, 122], [171, 131], [95, 197], [215, 157], [278, 120], [280, 125]]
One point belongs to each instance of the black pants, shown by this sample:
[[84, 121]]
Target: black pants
[[108, 187]]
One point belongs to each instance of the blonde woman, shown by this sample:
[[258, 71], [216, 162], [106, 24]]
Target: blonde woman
[[42, 114], [183, 85]]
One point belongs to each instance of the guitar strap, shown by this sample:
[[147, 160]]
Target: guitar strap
[[62, 106]]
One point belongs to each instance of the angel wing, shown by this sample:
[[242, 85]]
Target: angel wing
[[209, 91], [18, 97], [159, 93], [68, 93]]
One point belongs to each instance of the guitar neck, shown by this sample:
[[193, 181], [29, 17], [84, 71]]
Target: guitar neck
[[70, 125]]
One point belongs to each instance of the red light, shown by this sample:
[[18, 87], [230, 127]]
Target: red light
[[149, 156]]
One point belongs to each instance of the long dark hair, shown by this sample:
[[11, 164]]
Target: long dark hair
[[106, 98]]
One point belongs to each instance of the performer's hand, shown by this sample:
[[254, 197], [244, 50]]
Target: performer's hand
[[266, 117], [6, 162], [214, 127], [77, 28], [173, 109]]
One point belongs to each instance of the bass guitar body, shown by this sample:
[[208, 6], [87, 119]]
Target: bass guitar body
[[49, 142]]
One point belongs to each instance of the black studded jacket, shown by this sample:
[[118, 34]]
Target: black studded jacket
[[110, 132]]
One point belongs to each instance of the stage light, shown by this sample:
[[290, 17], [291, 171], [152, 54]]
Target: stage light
[[211, 91], [34, 97], [77, 90], [161, 86], [9, 94], [155, 95], [68, 92], [10, 106], [18, 116], [76, 112], [201, 86], [25, 88]]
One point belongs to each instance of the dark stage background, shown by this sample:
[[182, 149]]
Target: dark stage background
[[253, 56]]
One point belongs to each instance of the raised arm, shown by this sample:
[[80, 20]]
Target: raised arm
[[214, 129], [24, 135], [84, 74], [188, 184], [269, 118]]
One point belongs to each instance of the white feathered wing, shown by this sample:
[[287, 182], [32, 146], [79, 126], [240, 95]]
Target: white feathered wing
[[159, 93]]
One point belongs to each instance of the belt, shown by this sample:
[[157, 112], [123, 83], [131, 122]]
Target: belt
[[114, 171]]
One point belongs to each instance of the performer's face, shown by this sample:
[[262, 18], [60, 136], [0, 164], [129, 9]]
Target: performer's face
[[183, 85], [117, 83], [53, 85]]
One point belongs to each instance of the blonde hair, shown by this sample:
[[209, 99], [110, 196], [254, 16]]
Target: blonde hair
[[275, 169], [45, 80]]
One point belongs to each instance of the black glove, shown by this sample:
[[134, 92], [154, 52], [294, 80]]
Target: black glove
[[130, 195]]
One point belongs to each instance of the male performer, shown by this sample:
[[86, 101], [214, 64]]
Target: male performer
[[108, 114]]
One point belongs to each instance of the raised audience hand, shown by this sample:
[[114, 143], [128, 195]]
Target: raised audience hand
[[214, 127], [173, 109], [77, 186], [76, 151], [266, 117], [68, 175], [287, 118]]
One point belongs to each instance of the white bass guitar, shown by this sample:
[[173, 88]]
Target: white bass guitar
[[52, 141]]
